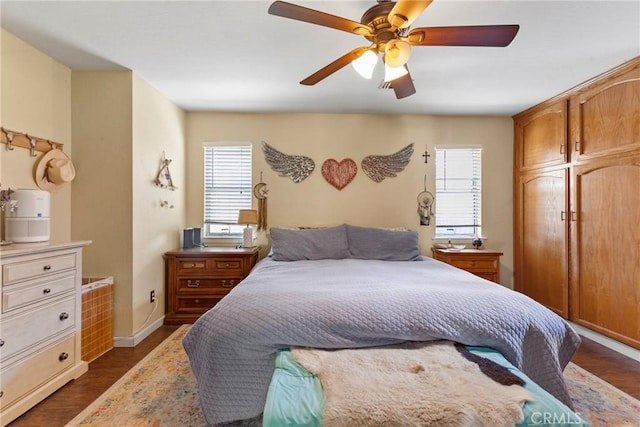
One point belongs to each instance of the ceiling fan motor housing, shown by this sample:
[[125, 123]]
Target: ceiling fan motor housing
[[376, 18]]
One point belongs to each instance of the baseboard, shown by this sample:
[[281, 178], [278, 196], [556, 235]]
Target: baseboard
[[621, 348], [138, 336]]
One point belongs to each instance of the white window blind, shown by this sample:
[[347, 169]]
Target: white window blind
[[227, 182], [458, 192]]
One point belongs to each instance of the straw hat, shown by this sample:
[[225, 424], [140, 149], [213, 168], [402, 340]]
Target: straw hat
[[53, 171]]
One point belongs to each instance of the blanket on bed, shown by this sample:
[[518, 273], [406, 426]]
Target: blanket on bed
[[411, 384], [353, 303]]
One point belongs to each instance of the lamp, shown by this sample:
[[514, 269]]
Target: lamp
[[365, 63], [248, 217], [396, 53], [392, 73]]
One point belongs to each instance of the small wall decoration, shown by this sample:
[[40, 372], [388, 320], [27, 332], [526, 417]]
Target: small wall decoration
[[379, 167], [339, 174], [425, 205], [163, 177], [260, 192], [294, 166]]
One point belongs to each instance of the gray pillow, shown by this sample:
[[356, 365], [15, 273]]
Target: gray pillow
[[380, 244], [312, 244]]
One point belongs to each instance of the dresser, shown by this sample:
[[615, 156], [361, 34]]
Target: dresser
[[40, 323], [196, 279], [481, 262]]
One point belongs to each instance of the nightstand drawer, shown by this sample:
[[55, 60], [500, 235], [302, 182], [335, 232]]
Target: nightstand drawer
[[475, 264], [223, 285], [192, 266], [197, 305]]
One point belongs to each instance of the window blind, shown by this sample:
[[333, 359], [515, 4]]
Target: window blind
[[227, 182], [458, 191]]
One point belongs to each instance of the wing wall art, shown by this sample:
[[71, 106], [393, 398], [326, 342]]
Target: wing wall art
[[295, 167], [379, 167]]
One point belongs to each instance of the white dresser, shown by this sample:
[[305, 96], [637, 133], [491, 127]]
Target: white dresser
[[40, 322]]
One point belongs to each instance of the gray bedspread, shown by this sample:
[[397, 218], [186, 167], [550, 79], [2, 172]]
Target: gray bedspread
[[359, 303]]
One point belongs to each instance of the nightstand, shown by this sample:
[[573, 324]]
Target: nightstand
[[481, 262], [196, 279]]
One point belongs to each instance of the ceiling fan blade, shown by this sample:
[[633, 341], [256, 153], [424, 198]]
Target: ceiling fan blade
[[334, 66], [403, 86], [406, 11], [478, 35], [312, 16]]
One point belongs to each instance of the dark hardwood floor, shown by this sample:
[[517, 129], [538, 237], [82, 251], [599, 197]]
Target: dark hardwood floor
[[62, 406]]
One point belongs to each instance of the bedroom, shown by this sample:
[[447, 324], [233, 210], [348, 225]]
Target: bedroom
[[130, 123]]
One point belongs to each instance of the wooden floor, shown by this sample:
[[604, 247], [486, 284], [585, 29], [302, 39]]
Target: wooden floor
[[66, 403]]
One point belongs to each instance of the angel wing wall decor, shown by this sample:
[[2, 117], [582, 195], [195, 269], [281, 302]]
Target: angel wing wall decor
[[380, 167], [294, 166]]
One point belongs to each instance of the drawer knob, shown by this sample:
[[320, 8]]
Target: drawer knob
[[63, 356], [46, 291], [229, 284], [1, 342], [47, 267], [194, 284], [64, 316]]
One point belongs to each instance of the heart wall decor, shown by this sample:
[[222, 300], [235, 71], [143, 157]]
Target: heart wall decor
[[339, 174]]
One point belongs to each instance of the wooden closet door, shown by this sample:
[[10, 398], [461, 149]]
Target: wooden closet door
[[605, 117], [605, 247], [540, 136], [542, 238]]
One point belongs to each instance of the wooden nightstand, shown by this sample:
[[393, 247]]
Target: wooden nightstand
[[196, 279], [481, 262]]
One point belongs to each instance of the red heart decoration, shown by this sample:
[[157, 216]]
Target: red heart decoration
[[339, 174]]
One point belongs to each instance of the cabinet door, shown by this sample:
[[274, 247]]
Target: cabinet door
[[541, 238], [605, 118], [605, 246], [541, 136]]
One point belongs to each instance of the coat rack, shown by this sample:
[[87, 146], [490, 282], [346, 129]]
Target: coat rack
[[19, 139]]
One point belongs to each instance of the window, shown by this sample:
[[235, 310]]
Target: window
[[458, 192], [227, 188]]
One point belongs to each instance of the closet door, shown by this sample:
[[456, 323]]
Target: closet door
[[540, 136], [541, 240], [605, 117], [605, 247]]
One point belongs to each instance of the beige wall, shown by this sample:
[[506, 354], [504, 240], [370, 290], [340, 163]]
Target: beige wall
[[36, 99], [158, 127], [313, 202], [123, 125]]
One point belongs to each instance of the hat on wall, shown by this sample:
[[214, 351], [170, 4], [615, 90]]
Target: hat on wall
[[53, 171]]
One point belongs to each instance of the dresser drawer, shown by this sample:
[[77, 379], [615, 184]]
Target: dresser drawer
[[475, 264], [22, 377], [30, 269], [34, 326], [197, 305], [210, 266], [222, 285], [17, 296]]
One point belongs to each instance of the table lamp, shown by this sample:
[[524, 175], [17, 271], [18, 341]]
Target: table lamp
[[248, 217]]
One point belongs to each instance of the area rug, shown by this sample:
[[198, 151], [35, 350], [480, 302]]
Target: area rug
[[160, 391]]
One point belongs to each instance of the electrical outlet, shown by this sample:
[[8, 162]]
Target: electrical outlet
[[152, 296]]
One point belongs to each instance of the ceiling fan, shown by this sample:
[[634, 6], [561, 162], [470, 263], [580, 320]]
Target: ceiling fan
[[386, 26]]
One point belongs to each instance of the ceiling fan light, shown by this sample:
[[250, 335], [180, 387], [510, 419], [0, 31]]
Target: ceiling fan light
[[397, 53], [392, 73], [365, 64]]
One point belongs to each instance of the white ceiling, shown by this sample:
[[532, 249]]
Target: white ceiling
[[233, 56]]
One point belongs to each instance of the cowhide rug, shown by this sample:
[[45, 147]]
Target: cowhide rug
[[410, 384]]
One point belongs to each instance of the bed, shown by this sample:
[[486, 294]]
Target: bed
[[358, 287]]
